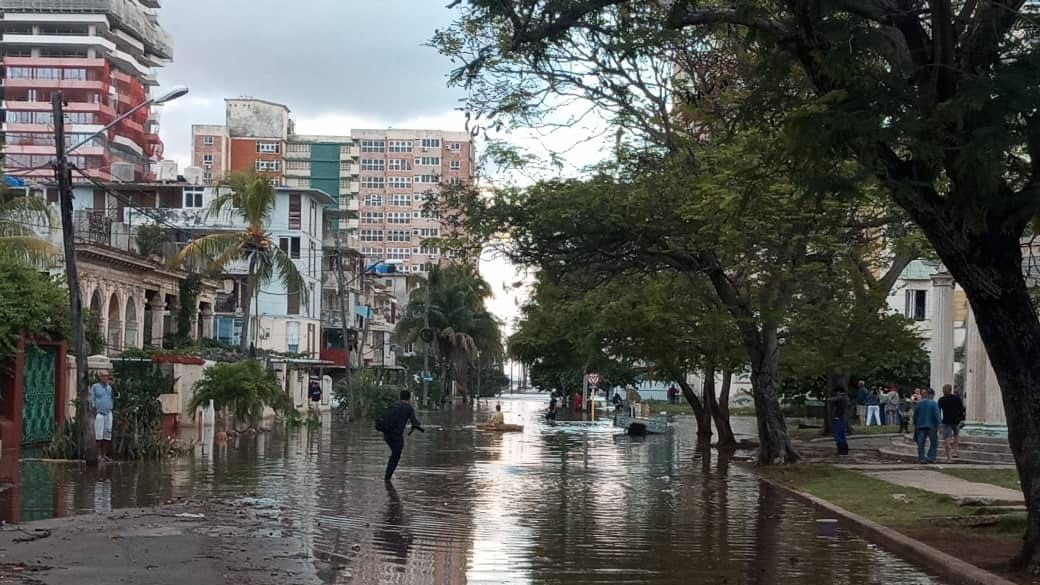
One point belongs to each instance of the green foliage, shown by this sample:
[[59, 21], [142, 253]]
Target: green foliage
[[32, 303], [189, 290], [65, 443], [463, 327], [150, 239], [19, 242], [96, 341], [138, 413], [243, 388], [366, 395]]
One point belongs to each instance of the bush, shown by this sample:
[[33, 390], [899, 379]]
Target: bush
[[366, 396], [150, 240], [138, 413], [243, 388]]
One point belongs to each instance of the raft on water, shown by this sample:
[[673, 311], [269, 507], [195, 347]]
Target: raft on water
[[640, 426], [502, 428]]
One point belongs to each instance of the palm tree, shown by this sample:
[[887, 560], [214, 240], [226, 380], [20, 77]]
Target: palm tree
[[250, 197], [462, 326], [19, 242]]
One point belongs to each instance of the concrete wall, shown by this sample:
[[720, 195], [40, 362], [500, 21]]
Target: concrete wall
[[249, 118]]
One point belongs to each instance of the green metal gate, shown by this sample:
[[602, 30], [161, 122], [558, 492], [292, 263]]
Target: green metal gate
[[38, 395]]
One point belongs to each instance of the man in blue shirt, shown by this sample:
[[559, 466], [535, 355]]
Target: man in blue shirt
[[101, 402], [926, 426]]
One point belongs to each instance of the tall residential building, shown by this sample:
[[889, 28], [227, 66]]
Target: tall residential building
[[211, 145], [102, 55]]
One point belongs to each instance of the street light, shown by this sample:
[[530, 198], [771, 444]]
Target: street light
[[63, 172]]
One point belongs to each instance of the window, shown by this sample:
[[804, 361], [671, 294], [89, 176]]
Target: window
[[372, 217], [207, 176], [207, 140], [376, 253], [372, 235], [292, 334], [268, 147], [373, 164], [399, 182], [401, 200], [428, 251], [399, 236], [374, 200], [295, 211], [373, 146], [430, 232], [400, 146], [455, 146], [291, 246], [315, 220], [399, 217], [431, 143], [297, 165], [312, 260], [373, 182], [456, 165], [207, 160], [430, 214], [268, 165], [193, 197], [428, 161], [298, 148], [345, 166], [400, 164], [398, 253], [427, 179], [916, 302]]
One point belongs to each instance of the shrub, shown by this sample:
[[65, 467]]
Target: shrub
[[244, 388], [366, 396]]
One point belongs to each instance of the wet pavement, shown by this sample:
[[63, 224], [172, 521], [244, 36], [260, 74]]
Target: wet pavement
[[572, 503]]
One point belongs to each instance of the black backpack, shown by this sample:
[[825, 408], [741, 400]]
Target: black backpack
[[383, 422]]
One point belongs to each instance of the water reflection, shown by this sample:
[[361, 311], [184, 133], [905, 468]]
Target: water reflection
[[572, 503]]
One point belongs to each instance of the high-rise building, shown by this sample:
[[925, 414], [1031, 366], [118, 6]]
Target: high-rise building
[[102, 55]]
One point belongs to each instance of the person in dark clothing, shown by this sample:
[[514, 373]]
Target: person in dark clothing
[[839, 406], [393, 423], [951, 408], [551, 413]]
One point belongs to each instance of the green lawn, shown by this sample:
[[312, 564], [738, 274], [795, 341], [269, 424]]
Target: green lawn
[[1007, 478], [866, 496], [809, 434]]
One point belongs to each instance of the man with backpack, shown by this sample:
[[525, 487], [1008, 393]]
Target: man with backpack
[[392, 424]]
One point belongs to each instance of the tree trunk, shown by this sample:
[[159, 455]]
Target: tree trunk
[[774, 442], [720, 411], [247, 295], [707, 397], [990, 270], [703, 428]]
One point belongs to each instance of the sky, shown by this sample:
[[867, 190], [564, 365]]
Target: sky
[[337, 65]]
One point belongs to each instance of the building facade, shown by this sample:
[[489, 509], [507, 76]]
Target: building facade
[[102, 56], [212, 148]]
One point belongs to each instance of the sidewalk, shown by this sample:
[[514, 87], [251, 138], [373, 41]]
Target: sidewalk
[[931, 479]]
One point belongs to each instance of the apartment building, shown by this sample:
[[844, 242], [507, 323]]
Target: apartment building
[[212, 147], [102, 56]]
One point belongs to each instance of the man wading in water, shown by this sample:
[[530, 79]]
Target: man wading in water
[[392, 423]]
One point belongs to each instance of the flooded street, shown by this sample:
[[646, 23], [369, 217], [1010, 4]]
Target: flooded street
[[573, 503]]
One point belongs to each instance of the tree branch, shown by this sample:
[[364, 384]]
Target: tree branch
[[679, 18]]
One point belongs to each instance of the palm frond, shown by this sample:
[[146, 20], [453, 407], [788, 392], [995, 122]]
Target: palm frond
[[213, 250], [291, 277], [251, 197], [29, 250]]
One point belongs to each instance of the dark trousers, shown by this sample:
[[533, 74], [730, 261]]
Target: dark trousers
[[838, 431], [396, 444]]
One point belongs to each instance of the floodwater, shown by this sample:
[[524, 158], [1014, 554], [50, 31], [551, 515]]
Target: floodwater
[[572, 503]]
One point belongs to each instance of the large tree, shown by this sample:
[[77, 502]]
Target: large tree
[[249, 198], [937, 97], [452, 299]]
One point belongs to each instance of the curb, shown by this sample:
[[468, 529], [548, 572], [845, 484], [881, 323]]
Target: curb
[[951, 569]]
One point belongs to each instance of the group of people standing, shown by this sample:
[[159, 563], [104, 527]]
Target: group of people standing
[[929, 417]]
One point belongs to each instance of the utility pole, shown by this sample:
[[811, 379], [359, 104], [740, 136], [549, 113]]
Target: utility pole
[[426, 346], [88, 449], [342, 302]]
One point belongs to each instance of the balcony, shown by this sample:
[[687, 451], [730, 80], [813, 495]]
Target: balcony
[[348, 170], [345, 151], [349, 204], [128, 14]]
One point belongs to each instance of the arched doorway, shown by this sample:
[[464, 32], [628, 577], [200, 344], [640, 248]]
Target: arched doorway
[[115, 328], [93, 323], [130, 324]]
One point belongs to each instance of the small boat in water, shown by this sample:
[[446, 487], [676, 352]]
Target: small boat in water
[[636, 425], [502, 428]]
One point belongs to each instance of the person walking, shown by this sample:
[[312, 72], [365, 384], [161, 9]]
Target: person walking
[[891, 402], [905, 412], [839, 406], [392, 424], [861, 402], [873, 402], [951, 408], [102, 402], [551, 413], [673, 394], [926, 427]]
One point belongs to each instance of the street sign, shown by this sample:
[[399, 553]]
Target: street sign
[[593, 379]]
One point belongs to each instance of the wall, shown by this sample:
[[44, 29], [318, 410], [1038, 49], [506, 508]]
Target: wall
[[257, 119]]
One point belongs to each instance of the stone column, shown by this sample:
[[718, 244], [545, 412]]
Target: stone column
[[207, 322], [157, 313], [942, 330], [975, 378]]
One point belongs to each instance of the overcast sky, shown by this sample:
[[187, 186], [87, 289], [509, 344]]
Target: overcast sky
[[337, 64]]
